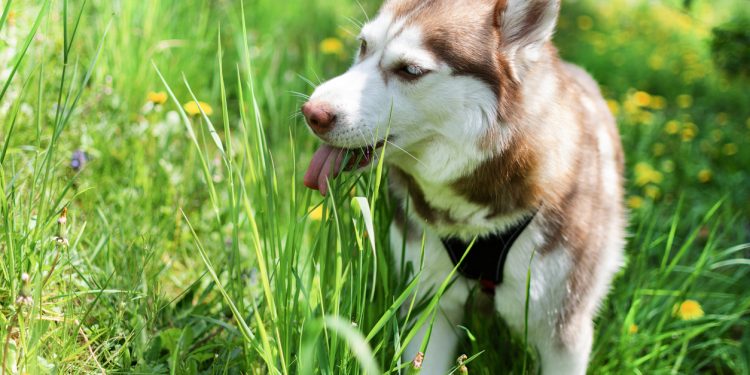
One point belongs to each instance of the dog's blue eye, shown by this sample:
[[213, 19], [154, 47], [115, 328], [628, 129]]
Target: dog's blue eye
[[411, 72]]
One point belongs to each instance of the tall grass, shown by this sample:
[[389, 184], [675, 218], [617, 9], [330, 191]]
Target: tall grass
[[188, 244]]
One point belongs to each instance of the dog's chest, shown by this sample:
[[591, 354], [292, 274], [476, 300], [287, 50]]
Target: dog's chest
[[446, 212], [459, 216]]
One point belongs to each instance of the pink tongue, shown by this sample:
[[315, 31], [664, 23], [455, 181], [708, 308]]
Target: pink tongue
[[326, 164]]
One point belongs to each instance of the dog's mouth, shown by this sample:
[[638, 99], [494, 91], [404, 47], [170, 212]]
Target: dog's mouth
[[329, 162]]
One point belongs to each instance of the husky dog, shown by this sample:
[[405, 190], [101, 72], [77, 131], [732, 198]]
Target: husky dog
[[492, 138]]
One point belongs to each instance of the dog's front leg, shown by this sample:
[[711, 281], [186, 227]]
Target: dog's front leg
[[568, 352], [440, 354]]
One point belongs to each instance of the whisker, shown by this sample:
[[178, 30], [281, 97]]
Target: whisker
[[296, 115], [364, 12], [320, 81], [362, 136], [372, 135], [375, 140], [308, 81], [406, 152], [300, 95], [354, 23]]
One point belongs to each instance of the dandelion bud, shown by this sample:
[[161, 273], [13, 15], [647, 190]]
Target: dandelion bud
[[61, 221], [461, 359], [62, 241], [463, 370], [417, 362]]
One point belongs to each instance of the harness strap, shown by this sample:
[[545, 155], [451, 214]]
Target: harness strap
[[486, 259]]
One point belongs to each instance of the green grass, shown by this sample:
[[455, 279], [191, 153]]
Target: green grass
[[189, 245]]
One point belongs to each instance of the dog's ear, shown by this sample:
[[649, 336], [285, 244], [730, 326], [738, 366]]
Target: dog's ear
[[526, 24]]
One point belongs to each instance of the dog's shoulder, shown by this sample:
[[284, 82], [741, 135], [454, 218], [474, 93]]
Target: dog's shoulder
[[582, 78]]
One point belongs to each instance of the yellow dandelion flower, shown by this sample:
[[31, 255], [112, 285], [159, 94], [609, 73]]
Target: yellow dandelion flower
[[705, 176], [645, 117], [332, 46], [646, 174], [633, 329], [659, 149], [614, 106], [658, 102], [689, 131], [688, 134], [194, 109], [672, 127], [685, 101], [12, 18], [652, 192], [631, 107], [730, 149], [656, 61], [642, 98], [689, 310], [635, 202], [316, 213], [157, 97], [585, 23]]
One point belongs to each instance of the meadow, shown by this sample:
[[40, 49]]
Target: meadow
[[143, 233]]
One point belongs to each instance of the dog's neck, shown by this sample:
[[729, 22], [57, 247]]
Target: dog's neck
[[467, 185]]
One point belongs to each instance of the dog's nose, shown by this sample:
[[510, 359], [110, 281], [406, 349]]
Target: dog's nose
[[319, 116]]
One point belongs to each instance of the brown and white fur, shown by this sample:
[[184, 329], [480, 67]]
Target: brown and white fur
[[488, 125]]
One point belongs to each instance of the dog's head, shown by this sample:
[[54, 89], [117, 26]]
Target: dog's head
[[433, 71]]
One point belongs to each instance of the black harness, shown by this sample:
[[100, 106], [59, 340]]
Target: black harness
[[486, 259]]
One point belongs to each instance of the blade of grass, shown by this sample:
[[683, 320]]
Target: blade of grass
[[431, 310], [393, 309], [191, 133], [244, 328], [526, 315], [25, 48], [357, 344], [209, 124], [14, 117], [6, 11]]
